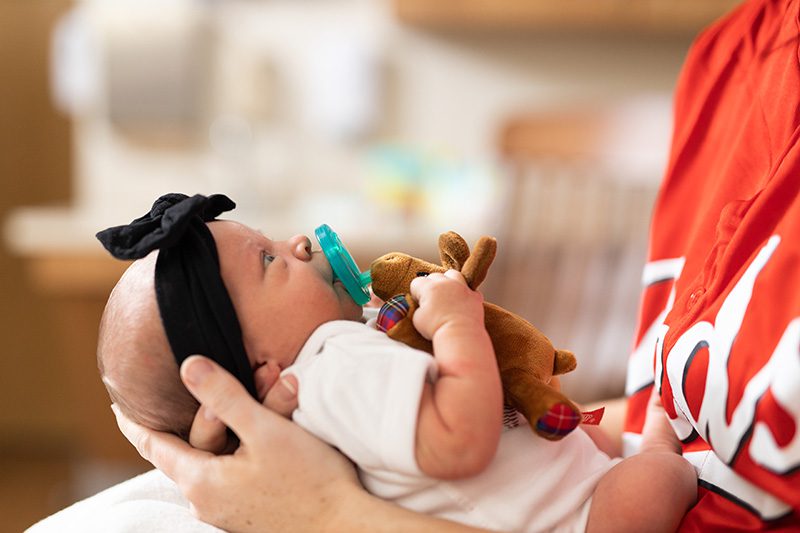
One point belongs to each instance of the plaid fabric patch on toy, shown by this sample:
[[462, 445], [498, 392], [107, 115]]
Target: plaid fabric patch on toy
[[393, 311], [559, 420]]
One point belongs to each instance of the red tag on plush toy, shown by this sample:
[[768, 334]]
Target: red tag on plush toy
[[592, 418]]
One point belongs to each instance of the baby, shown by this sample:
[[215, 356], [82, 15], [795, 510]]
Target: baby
[[425, 432]]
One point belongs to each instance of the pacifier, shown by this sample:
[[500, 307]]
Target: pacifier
[[343, 266]]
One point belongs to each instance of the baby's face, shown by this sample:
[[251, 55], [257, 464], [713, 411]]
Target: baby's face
[[281, 290]]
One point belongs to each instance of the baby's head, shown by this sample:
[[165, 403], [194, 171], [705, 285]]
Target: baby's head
[[278, 292], [134, 357]]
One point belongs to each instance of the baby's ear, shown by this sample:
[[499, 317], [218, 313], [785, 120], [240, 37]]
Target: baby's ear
[[453, 250]]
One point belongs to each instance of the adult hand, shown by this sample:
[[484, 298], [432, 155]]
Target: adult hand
[[280, 478], [209, 433]]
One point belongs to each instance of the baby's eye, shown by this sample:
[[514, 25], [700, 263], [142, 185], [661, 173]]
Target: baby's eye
[[267, 258], [422, 274]]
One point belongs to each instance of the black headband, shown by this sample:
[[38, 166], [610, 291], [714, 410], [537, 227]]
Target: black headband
[[195, 307]]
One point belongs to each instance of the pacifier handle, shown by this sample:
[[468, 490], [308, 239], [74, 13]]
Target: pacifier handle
[[343, 266]]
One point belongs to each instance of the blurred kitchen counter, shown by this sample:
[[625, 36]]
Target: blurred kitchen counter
[[63, 232]]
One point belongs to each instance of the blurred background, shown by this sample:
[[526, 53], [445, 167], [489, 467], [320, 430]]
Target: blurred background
[[544, 123]]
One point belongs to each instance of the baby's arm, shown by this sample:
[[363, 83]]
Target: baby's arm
[[460, 415]]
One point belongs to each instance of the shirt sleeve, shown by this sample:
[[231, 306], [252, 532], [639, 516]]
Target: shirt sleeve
[[361, 394]]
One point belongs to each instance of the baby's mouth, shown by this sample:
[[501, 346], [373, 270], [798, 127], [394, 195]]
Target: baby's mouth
[[338, 286], [324, 266]]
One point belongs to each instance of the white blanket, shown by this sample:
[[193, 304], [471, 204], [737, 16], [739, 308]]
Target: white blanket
[[149, 502]]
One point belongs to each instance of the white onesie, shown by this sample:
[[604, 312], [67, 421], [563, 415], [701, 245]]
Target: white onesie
[[359, 390]]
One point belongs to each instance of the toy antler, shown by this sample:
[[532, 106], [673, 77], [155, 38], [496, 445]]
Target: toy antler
[[477, 265], [453, 250]]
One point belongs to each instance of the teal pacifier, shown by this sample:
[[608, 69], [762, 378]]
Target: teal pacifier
[[344, 268]]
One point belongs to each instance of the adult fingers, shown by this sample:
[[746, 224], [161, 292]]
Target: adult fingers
[[208, 432], [219, 391], [282, 397], [165, 451]]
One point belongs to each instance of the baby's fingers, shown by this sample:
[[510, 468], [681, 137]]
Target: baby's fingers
[[657, 433], [417, 285], [455, 275], [421, 285]]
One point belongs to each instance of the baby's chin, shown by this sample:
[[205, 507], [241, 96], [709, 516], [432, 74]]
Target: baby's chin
[[350, 309]]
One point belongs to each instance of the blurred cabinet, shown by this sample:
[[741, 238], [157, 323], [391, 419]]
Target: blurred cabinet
[[35, 162], [76, 287], [634, 16]]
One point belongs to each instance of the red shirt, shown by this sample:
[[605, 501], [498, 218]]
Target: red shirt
[[720, 317]]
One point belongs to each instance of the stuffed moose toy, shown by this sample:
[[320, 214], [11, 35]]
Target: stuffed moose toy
[[525, 357]]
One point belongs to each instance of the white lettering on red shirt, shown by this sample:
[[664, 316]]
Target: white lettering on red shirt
[[727, 438]]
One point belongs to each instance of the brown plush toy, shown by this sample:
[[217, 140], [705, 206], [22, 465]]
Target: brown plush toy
[[525, 357]]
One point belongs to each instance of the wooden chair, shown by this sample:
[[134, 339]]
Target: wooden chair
[[572, 243]]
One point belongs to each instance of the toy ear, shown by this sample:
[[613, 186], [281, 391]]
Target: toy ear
[[477, 265], [453, 250]]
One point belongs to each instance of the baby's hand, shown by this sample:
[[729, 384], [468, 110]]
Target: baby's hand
[[445, 299], [657, 434]]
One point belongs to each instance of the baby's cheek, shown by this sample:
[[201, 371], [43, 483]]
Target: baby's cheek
[[349, 309], [353, 311]]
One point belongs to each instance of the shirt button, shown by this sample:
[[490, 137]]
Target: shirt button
[[694, 297]]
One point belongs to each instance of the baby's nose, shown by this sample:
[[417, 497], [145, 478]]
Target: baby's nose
[[301, 247]]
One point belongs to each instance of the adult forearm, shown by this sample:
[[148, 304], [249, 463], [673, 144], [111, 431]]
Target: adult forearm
[[363, 513]]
